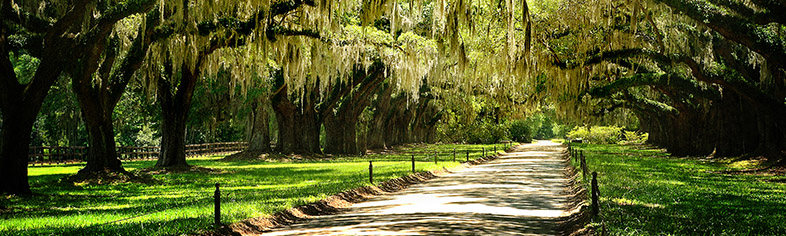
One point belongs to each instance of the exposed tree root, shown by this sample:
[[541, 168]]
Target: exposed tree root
[[267, 156], [181, 169], [107, 176]]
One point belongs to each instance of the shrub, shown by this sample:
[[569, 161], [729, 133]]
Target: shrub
[[634, 137], [486, 132], [561, 131], [598, 134], [520, 131]]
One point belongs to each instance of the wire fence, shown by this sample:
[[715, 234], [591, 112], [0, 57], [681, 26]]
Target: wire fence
[[590, 179]]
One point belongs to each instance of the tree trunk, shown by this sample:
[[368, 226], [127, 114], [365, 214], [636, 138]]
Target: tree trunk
[[376, 136], [259, 136], [285, 117], [341, 126], [174, 111], [102, 154], [18, 122], [350, 137], [308, 124], [340, 134], [397, 122], [298, 127], [20, 104]]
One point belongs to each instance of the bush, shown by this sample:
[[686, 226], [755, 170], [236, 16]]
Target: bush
[[598, 134], [486, 132], [561, 131], [520, 131], [634, 137]]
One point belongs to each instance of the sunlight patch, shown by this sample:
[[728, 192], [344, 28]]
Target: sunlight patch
[[634, 202]]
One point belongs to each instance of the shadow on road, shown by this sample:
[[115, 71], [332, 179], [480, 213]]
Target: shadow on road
[[521, 193]]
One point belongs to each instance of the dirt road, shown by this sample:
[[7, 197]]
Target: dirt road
[[520, 193]]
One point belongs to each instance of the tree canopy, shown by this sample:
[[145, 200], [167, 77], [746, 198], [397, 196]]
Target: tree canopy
[[702, 76]]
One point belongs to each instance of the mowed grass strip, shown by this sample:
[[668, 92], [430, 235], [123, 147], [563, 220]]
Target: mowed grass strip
[[182, 203], [644, 191]]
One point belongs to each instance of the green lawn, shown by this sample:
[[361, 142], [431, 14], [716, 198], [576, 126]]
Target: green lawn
[[644, 191], [182, 203]]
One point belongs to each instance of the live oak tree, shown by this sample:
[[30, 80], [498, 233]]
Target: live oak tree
[[331, 63], [100, 92], [55, 33], [702, 76]]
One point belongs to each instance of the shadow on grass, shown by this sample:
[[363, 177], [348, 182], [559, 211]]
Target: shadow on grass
[[151, 227], [650, 196], [250, 188]]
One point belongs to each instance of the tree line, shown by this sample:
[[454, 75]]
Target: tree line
[[301, 65], [702, 76]]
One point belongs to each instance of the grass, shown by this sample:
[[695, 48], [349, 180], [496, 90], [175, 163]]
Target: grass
[[645, 191], [182, 203]]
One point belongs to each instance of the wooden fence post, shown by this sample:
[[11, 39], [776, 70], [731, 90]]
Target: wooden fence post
[[454, 154], [413, 163], [584, 168], [467, 155], [484, 151], [595, 195], [217, 210], [436, 157], [370, 173]]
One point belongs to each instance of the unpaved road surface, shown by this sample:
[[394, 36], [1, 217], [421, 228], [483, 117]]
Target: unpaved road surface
[[520, 193]]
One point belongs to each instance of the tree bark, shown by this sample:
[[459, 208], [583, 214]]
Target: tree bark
[[341, 134], [376, 136], [341, 125], [259, 135], [102, 154], [20, 104], [18, 122], [298, 127], [309, 125], [285, 117], [397, 122], [175, 106], [97, 100]]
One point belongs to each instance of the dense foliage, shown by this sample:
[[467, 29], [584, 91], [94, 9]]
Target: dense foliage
[[597, 134], [700, 76]]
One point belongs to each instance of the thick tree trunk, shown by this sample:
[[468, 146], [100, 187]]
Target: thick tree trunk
[[333, 140], [18, 122], [421, 121], [20, 104], [173, 140], [102, 154], [174, 111], [341, 126], [259, 135], [309, 125], [397, 122], [341, 135], [298, 127], [285, 117], [376, 135]]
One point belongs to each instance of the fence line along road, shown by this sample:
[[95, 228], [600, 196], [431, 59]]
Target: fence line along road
[[56, 154]]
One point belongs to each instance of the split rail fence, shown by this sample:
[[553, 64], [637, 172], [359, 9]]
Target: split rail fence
[[55, 154]]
